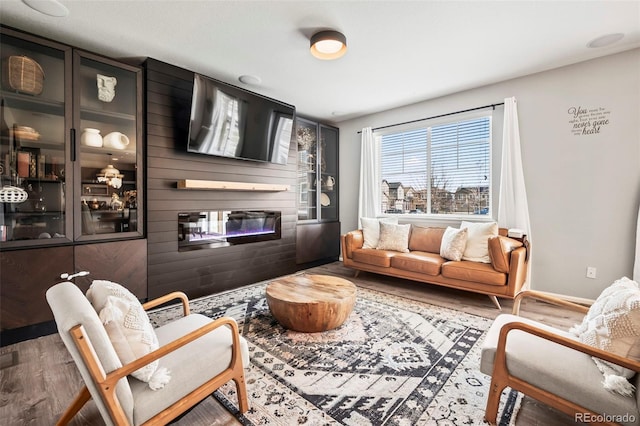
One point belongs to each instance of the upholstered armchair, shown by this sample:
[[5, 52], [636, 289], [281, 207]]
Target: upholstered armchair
[[200, 355], [553, 366]]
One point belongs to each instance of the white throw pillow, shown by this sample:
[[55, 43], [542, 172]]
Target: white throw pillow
[[613, 324], [129, 329], [453, 243], [394, 237], [371, 230], [477, 249]]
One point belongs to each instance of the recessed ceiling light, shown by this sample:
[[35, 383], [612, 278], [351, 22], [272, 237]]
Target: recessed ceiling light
[[48, 7], [250, 79], [605, 40]]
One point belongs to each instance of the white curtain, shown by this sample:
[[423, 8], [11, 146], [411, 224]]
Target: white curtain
[[513, 209], [636, 265], [369, 198]]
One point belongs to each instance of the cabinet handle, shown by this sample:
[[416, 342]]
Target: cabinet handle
[[73, 144]]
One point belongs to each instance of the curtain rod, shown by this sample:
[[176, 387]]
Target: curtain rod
[[438, 116]]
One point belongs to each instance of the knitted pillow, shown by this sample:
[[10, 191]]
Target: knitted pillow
[[394, 237], [613, 324], [128, 328], [453, 243]]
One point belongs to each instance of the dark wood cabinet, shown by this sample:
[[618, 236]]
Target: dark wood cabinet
[[68, 202], [26, 275], [318, 229]]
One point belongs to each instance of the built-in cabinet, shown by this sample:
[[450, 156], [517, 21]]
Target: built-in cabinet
[[70, 169], [70, 145], [318, 230]]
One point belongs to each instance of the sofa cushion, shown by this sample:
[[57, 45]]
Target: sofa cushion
[[394, 237], [500, 249], [418, 261], [374, 257], [427, 239], [477, 249], [474, 271], [554, 368], [371, 230], [453, 243], [613, 324]]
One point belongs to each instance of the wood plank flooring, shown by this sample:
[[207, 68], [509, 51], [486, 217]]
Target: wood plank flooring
[[38, 388]]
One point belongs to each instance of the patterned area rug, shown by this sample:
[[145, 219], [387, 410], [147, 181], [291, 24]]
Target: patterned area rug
[[394, 362]]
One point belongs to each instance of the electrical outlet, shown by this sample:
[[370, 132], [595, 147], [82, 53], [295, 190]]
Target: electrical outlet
[[591, 271]]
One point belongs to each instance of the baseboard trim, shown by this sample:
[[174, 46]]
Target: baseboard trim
[[573, 299]]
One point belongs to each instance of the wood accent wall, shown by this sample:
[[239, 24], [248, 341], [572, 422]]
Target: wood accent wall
[[206, 271]]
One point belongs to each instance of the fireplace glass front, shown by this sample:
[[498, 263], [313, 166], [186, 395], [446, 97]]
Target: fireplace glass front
[[222, 228]]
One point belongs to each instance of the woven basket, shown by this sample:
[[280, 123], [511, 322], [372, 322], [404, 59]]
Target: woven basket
[[25, 75], [13, 194]]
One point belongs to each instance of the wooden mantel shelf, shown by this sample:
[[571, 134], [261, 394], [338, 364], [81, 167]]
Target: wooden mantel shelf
[[230, 186]]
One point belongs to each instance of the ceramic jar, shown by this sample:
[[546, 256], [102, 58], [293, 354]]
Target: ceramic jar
[[91, 137], [116, 140]]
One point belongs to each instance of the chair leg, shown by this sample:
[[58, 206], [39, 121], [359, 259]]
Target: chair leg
[[494, 299], [356, 274], [493, 401], [81, 399], [243, 400]]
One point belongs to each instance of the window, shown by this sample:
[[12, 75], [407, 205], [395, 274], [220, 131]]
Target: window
[[443, 169]]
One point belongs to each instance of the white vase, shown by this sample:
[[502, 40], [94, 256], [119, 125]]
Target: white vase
[[91, 137], [116, 140]]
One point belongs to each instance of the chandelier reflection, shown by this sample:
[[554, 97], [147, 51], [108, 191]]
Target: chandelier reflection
[[111, 176]]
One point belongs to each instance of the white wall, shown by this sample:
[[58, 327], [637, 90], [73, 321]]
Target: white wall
[[583, 190]]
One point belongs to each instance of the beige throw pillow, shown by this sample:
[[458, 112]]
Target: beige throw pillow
[[477, 249], [371, 230], [613, 324], [453, 243], [129, 329], [394, 237]]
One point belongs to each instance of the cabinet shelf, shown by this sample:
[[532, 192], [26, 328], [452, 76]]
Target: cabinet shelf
[[100, 115], [27, 102]]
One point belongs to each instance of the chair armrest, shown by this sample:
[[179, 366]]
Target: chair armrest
[[547, 298], [168, 298], [111, 379], [560, 340]]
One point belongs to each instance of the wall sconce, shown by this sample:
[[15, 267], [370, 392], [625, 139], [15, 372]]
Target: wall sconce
[[111, 176], [328, 45]]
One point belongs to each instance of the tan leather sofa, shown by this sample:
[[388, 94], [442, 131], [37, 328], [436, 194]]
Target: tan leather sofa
[[503, 277]]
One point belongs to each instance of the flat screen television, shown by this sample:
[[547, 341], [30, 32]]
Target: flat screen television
[[228, 121]]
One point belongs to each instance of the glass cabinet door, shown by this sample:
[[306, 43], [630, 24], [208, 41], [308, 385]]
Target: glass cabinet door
[[34, 110], [328, 173], [307, 137], [108, 165]]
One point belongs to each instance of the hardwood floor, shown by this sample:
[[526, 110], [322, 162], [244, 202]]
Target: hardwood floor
[[42, 379]]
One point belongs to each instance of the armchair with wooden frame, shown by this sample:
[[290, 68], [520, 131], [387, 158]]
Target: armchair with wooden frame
[[552, 366], [202, 354]]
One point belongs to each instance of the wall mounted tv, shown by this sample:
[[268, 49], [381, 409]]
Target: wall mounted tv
[[228, 121]]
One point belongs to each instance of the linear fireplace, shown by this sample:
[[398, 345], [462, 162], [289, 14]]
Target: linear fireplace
[[222, 228]]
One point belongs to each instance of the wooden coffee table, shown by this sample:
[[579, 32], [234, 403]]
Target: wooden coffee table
[[311, 303]]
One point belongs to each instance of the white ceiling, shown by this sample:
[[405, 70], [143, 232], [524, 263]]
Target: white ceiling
[[400, 52]]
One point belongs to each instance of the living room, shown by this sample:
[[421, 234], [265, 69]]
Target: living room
[[582, 189]]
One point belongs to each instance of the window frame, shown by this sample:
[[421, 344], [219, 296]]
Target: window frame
[[440, 217]]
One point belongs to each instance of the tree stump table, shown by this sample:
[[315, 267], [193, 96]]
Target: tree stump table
[[311, 303]]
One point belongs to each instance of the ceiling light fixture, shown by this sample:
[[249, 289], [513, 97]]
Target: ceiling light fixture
[[48, 7], [605, 40], [328, 45], [250, 79]]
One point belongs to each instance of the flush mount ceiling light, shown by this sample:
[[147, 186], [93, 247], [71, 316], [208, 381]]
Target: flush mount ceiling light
[[328, 45], [48, 7], [605, 40], [250, 79]]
